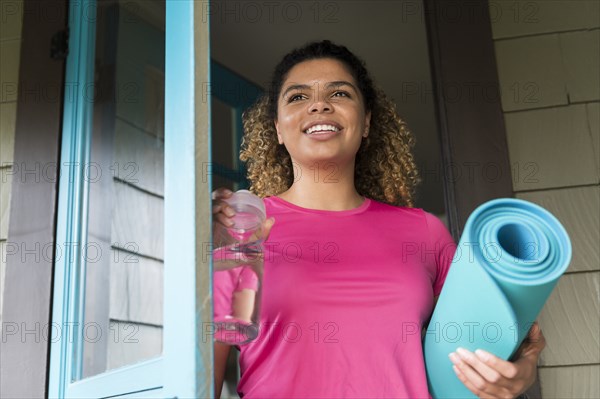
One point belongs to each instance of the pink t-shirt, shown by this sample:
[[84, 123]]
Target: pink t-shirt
[[345, 295]]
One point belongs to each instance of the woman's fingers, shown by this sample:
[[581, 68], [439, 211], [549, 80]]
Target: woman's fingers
[[223, 219], [536, 338], [488, 375], [219, 205], [222, 211], [505, 368], [224, 207], [533, 344], [221, 193], [476, 375]]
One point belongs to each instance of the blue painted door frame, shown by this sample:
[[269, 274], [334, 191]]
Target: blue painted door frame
[[185, 367]]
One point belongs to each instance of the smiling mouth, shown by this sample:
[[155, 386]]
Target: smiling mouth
[[321, 129]]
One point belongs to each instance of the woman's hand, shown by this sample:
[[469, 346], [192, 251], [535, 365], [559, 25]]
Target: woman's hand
[[222, 219], [488, 376]]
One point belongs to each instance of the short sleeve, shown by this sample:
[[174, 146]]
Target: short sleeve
[[224, 283], [445, 247], [247, 279]]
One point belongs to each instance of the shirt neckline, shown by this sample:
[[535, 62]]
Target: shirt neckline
[[361, 208]]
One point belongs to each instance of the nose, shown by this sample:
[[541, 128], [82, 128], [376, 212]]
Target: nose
[[319, 106]]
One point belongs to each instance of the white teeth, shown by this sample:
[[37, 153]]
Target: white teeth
[[319, 128]]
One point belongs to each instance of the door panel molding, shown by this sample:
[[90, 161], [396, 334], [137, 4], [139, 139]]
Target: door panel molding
[[188, 315], [31, 234]]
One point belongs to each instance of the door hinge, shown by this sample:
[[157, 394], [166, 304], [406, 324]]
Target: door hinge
[[59, 46]]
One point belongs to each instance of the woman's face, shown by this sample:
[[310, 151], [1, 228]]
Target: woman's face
[[321, 113]]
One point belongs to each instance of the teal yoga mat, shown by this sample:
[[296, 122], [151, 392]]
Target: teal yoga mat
[[510, 256]]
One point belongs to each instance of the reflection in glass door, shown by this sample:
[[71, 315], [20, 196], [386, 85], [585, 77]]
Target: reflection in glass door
[[123, 296]]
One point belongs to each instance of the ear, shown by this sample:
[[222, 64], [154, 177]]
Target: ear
[[367, 124], [279, 137]]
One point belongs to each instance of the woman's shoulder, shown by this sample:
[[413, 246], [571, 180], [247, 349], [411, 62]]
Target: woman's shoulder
[[399, 209], [431, 220]]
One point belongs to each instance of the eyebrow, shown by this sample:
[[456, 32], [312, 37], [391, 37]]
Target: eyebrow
[[336, 83]]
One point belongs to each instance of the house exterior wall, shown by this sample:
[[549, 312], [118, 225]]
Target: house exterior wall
[[137, 195], [548, 61], [11, 18]]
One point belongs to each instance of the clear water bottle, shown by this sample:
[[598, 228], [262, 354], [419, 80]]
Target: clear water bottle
[[237, 290], [249, 216]]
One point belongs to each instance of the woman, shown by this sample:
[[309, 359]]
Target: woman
[[352, 270]]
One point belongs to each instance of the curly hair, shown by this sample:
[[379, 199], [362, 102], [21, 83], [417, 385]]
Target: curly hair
[[385, 169]]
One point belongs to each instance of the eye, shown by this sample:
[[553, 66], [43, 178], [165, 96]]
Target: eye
[[296, 97], [341, 93]]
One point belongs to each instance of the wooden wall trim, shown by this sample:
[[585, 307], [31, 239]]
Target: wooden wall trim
[[31, 233], [469, 112], [467, 95]]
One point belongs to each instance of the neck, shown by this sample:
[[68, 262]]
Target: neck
[[324, 186]]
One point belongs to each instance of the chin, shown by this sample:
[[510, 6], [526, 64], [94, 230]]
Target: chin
[[325, 157]]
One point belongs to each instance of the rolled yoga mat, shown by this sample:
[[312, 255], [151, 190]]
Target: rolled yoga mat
[[509, 258]]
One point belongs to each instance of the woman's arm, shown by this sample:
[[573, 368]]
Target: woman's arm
[[222, 219], [221, 354], [489, 376]]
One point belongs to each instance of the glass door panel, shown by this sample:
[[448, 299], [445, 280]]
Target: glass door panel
[[123, 296], [131, 200]]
